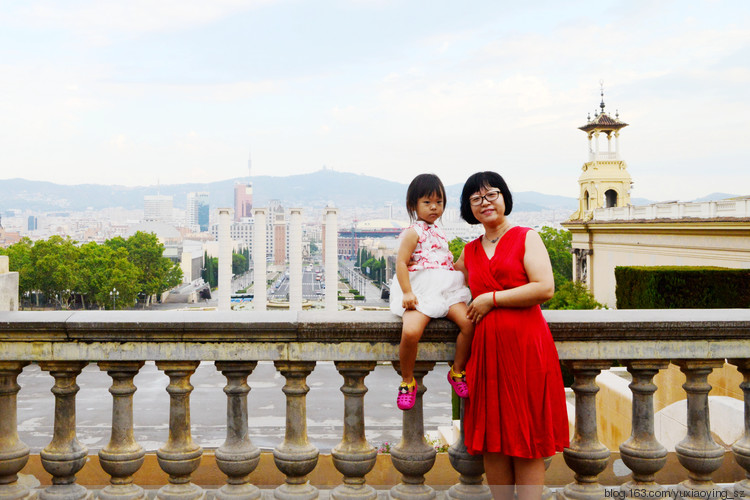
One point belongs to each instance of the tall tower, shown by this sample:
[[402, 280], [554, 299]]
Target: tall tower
[[605, 181], [243, 197]]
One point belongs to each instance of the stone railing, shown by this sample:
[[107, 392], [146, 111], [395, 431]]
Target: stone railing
[[735, 208], [120, 342]]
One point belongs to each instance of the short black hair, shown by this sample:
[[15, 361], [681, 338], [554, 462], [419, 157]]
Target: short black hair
[[483, 180], [423, 185]]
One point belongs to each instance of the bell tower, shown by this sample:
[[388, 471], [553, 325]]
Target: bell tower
[[605, 181]]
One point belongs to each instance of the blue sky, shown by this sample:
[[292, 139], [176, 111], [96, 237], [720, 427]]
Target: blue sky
[[143, 91]]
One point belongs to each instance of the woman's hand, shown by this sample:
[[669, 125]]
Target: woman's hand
[[410, 301], [479, 307]]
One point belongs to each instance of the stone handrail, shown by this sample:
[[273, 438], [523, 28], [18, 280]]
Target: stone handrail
[[62, 343], [734, 208]]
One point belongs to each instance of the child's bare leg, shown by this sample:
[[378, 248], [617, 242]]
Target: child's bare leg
[[412, 330], [457, 314]]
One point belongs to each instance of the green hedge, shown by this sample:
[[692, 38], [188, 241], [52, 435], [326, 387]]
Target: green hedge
[[681, 287]]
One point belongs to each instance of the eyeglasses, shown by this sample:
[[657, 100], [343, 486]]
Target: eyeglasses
[[489, 196]]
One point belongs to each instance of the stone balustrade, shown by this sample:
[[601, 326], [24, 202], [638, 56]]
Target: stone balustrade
[[62, 343], [734, 208]]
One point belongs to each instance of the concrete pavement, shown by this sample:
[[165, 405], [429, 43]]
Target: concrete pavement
[[266, 406]]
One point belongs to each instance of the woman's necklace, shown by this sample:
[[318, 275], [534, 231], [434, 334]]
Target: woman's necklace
[[496, 238]]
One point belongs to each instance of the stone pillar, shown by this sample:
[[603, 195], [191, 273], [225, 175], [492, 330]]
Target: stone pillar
[[237, 457], [470, 468], [741, 448], [295, 259], [123, 456], [413, 457], [259, 260], [642, 453], [587, 456], [354, 456], [296, 457], [225, 261], [13, 452], [8, 286], [617, 144], [64, 456], [698, 452], [179, 457], [331, 261]]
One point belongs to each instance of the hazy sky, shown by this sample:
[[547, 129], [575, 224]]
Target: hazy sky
[[139, 91]]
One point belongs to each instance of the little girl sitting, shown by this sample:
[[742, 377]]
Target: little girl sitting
[[427, 286]]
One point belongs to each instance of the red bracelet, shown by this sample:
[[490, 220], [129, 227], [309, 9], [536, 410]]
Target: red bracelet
[[494, 303]]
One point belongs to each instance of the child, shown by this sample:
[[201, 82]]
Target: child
[[427, 286]]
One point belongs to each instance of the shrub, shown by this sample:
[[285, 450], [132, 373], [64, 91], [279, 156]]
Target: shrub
[[681, 287]]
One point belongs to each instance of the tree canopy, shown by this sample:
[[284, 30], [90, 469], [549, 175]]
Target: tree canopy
[[61, 269]]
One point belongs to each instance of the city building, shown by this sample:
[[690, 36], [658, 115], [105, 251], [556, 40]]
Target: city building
[[8, 238], [243, 201], [33, 223], [350, 239], [278, 232], [158, 208], [197, 211]]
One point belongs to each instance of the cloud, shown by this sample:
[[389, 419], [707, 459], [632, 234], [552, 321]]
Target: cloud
[[99, 20]]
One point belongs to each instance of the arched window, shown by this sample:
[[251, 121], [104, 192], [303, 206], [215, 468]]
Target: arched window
[[610, 197], [586, 200]]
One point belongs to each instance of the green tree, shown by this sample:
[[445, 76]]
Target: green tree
[[103, 269], [572, 295], [558, 243], [456, 246], [239, 263], [156, 273], [54, 268], [210, 273]]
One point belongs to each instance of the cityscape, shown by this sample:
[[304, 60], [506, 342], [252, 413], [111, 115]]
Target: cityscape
[[201, 208]]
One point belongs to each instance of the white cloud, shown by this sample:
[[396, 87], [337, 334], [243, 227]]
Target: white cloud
[[99, 20]]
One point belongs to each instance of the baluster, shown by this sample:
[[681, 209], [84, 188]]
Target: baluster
[[642, 453], [354, 456], [698, 452], [413, 457], [123, 456], [295, 457], [741, 448], [237, 457], [64, 456], [180, 456], [13, 452], [470, 469], [587, 456]]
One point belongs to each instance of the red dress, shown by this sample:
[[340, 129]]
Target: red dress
[[516, 403]]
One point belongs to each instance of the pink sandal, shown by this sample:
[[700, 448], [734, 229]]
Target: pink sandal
[[407, 395], [460, 386]]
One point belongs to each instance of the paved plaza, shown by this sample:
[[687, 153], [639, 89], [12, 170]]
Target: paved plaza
[[266, 406]]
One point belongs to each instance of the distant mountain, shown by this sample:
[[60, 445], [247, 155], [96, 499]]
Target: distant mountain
[[317, 189], [716, 197]]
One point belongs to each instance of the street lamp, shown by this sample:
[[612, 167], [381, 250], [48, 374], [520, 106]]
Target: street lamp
[[114, 293]]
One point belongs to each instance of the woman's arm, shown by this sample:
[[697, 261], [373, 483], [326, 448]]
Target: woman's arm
[[459, 265], [539, 289], [409, 241]]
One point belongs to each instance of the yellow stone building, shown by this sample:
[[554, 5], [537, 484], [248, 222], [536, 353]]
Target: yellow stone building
[[605, 181], [607, 231]]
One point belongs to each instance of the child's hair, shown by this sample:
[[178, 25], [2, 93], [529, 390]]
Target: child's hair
[[423, 185]]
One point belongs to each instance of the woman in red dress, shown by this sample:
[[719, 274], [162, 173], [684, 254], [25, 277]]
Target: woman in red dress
[[516, 413]]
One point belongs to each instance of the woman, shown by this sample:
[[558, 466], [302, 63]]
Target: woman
[[516, 413]]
